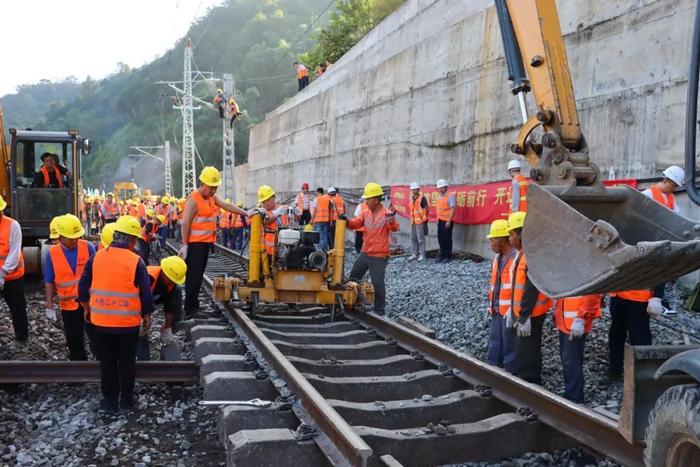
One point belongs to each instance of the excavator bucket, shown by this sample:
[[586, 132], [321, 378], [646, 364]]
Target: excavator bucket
[[589, 239]]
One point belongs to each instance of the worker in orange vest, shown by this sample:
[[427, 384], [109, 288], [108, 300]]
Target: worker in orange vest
[[445, 207], [302, 75], [199, 232], [148, 234], [303, 202], [337, 208], [378, 223], [321, 217], [173, 218], [662, 192], [528, 309], [418, 218], [519, 186], [110, 209], [225, 226], [270, 211], [141, 210], [574, 317], [501, 337], [116, 297], [12, 273], [51, 173], [238, 223], [62, 270]]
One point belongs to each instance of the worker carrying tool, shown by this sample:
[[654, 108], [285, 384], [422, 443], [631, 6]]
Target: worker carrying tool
[[519, 186], [418, 218], [199, 232], [338, 208], [501, 350], [574, 317], [62, 270], [446, 206], [12, 273], [528, 309], [115, 293], [378, 223]]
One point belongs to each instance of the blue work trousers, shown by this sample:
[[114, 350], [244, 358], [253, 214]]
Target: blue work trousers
[[237, 239], [571, 351], [226, 237], [322, 227], [163, 232], [501, 344]]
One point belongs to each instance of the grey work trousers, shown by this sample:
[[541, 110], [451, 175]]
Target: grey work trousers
[[417, 240], [377, 268]]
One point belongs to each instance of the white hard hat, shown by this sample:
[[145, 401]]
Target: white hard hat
[[415, 186], [331, 189], [675, 174], [442, 183], [515, 164]]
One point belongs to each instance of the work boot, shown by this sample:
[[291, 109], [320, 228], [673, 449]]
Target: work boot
[[421, 258], [412, 257], [109, 406]]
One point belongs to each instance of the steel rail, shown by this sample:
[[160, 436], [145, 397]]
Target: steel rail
[[39, 371], [584, 425]]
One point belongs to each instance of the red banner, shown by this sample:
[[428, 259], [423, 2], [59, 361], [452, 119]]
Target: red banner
[[476, 204]]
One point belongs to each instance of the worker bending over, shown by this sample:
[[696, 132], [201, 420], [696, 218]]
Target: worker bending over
[[418, 218], [378, 223], [62, 270], [528, 310], [115, 294], [501, 350], [199, 233], [12, 273]]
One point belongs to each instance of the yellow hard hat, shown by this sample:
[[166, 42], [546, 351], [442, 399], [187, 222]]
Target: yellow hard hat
[[107, 235], [69, 226], [53, 233], [265, 192], [150, 212], [161, 218], [165, 200], [174, 268], [499, 229], [128, 225], [110, 194], [516, 220], [308, 228], [121, 201], [3, 203], [372, 190], [182, 200], [239, 204], [210, 176]]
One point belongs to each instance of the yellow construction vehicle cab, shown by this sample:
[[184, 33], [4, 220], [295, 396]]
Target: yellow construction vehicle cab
[[126, 190], [31, 206], [580, 237]]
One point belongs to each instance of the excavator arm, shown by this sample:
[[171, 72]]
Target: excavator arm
[[580, 237]]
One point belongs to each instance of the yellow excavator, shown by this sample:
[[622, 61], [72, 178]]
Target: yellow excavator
[[581, 237]]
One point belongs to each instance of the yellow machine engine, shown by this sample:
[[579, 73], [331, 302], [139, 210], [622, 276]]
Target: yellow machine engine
[[297, 273]]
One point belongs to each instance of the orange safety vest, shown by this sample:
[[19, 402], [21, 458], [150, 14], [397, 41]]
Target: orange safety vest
[[236, 220], [203, 227], [141, 212], [133, 211], [270, 234], [322, 212], [162, 209], [443, 209], [45, 172], [146, 235], [662, 198], [225, 221], [65, 280], [154, 272], [522, 181], [112, 209], [339, 204], [114, 299], [519, 275], [301, 199], [506, 293], [418, 215], [302, 72], [567, 309], [634, 295], [173, 213], [5, 225]]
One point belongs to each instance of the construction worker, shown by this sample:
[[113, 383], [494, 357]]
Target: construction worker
[[225, 226], [238, 223], [51, 173], [173, 218], [501, 338], [446, 205], [338, 204], [270, 211], [418, 218], [321, 217], [116, 297], [166, 280], [519, 187], [233, 110], [110, 209], [528, 309], [303, 202], [574, 317], [302, 75], [378, 223], [163, 209], [141, 210], [62, 270], [148, 233], [12, 273], [662, 192], [199, 232], [220, 101]]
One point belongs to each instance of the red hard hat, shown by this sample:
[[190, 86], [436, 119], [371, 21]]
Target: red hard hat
[[304, 186]]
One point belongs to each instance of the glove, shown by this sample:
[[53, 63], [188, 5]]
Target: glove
[[509, 318], [280, 211], [183, 252], [343, 217], [50, 313], [166, 335], [523, 329], [577, 328], [655, 308]]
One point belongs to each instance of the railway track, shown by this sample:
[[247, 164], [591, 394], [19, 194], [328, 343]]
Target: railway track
[[369, 391]]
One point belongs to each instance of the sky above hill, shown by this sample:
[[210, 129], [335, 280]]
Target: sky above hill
[[54, 39]]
